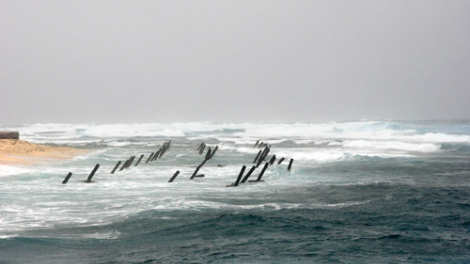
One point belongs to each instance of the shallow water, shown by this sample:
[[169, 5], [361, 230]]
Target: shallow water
[[358, 192]]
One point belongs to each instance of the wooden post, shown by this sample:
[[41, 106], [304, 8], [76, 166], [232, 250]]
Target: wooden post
[[200, 146], [115, 167], [263, 156], [213, 152], [163, 150], [197, 169], [151, 156], [238, 178], [141, 156], [174, 176], [124, 165], [273, 159], [202, 149], [240, 175], [280, 161], [257, 156], [208, 154], [290, 164], [130, 162], [67, 178], [92, 173], [248, 174], [157, 154], [261, 174]]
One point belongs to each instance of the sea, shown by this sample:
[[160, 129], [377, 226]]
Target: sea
[[363, 191]]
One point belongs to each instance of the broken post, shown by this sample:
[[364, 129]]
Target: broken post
[[280, 161], [256, 144]]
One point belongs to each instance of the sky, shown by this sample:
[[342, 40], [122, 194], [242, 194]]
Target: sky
[[149, 61]]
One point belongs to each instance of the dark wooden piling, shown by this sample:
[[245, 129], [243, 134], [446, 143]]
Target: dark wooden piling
[[208, 154], [273, 159], [200, 146], [213, 152], [290, 164], [240, 175], [261, 173], [157, 153], [141, 156], [67, 178], [115, 167], [195, 172], [256, 144], [248, 174], [92, 173], [174, 176], [197, 169], [202, 149], [163, 150], [280, 161], [150, 157], [263, 156], [124, 165], [238, 178], [264, 153], [130, 162], [257, 156]]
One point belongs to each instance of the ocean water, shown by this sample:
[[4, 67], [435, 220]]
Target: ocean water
[[358, 192]]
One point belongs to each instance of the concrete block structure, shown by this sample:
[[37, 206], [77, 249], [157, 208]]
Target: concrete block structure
[[9, 135]]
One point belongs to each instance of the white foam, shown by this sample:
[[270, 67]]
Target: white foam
[[7, 170], [391, 145], [33, 197], [301, 133]]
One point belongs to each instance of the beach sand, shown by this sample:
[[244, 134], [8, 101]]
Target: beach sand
[[18, 152]]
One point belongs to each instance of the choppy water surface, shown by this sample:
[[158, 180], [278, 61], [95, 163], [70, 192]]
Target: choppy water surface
[[358, 192]]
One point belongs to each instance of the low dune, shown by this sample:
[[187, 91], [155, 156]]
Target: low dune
[[18, 152]]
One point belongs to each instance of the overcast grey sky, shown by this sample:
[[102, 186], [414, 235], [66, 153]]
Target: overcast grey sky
[[233, 61]]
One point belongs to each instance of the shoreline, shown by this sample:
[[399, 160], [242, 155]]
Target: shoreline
[[18, 152]]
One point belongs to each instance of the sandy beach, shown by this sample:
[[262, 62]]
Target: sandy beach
[[18, 152]]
